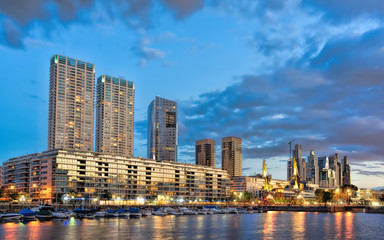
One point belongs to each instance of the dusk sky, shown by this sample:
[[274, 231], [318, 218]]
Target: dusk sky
[[265, 71]]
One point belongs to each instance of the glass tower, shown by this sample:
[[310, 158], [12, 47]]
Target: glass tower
[[162, 130], [115, 98], [71, 104]]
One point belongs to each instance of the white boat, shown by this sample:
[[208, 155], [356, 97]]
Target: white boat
[[11, 216], [177, 213], [187, 211], [224, 211], [99, 214], [242, 211], [63, 215], [146, 213], [111, 214], [158, 213], [232, 210], [89, 216], [211, 210], [201, 213], [124, 215]]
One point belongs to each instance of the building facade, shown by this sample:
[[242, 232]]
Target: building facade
[[205, 152], [71, 104], [346, 171], [115, 98], [91, 175], [313, 168], [254, 185], [162, 130], [231, 155]]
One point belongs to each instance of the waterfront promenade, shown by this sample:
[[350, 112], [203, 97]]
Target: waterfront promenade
[[271, 225], [286, 208]]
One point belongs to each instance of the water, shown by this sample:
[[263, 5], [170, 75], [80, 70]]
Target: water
[[271, 225]]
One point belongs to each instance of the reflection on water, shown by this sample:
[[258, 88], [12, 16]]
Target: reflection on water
[[272, 225]]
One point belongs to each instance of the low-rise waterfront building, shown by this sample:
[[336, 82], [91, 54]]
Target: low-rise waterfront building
[[254, 185], [93, 175]]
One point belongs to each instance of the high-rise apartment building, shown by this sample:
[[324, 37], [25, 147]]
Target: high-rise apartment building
[[206, 152], [71, 104], [115, 100], [231, 155], [162, 130]]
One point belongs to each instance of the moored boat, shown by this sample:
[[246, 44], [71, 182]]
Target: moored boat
[[111, 213], [134, 213], [27, 214], [11, 216], [187, 211], [44, 215], [123, 213], [146, 213], [62, 215], [158, 213], [99, 214]]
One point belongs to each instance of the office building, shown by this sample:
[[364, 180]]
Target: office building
[[115, 98], [231, 156], [206, 152], [300, 161], [71, 104], [313, 168], [162, 130], [92, 174], [346, 171]]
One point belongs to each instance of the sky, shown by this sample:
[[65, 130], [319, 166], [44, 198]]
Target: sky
[[267, 71]]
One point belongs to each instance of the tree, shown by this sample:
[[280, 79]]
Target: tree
[[381, 198], [248, 196], [324, 196], [2, 192], [13, 195], [348, 192]]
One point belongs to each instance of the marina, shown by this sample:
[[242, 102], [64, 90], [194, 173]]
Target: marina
[[270, 225]]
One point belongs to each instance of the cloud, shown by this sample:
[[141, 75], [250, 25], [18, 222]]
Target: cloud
[[147, 53], [183, 8], [330, 103], [19, 17]]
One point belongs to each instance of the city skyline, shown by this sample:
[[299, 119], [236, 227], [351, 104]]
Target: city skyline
[[263, 88]]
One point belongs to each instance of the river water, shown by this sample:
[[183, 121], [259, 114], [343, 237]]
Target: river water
[[271, 225]]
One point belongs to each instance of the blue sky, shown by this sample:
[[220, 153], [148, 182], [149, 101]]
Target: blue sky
[[266, 71]]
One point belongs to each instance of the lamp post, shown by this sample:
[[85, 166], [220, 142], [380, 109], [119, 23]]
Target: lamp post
[[337, 194], [348, 195]]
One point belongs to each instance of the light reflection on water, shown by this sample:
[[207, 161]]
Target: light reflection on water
[[272, 225]]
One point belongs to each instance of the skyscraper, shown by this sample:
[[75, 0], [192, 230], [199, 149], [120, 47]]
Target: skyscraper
[[162, 130], [346, 171], [301, 163], [71, 104], [114, 115], [313, 168], [231, 155], [206, 152]]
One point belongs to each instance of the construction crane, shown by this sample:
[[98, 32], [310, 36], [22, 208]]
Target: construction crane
[[265, 176]]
